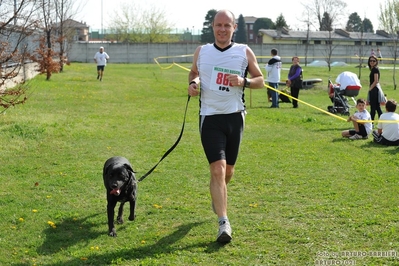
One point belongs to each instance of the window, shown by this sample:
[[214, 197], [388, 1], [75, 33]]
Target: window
[[251, 36], [251, 26], [358, 43], [317, 42]]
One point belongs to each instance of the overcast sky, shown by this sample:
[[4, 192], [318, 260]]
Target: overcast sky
[[185, 14]]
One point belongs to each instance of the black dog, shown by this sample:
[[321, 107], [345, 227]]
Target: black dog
[[121, 185]]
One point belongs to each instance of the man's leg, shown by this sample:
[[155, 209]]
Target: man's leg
[[221, 175], [274, 95]]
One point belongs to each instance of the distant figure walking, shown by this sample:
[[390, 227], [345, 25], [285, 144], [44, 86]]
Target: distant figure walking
[[100, 58], [379, 55]]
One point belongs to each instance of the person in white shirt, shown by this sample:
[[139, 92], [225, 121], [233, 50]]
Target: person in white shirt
[[388, 126], [219, 76], [273, 68], [362, 129], [100, 58]]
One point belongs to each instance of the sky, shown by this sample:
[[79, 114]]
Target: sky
[[185, 14]]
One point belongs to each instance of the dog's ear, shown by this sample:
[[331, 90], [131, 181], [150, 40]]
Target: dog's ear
[[128, 167]]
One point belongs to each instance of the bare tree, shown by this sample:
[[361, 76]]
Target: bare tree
[[389, 20], [334, 8], [16, 27], [45, 53], [327, 13], [64, 32], [131, 23]]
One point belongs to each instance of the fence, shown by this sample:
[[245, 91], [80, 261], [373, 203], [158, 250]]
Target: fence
[[145, 53]]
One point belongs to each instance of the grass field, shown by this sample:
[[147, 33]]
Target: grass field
[[301, 194]]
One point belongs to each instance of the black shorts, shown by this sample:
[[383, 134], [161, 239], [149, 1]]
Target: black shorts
[[221, 136], [100, 68], [362, 131]]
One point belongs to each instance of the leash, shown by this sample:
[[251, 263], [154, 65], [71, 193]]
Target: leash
[[171, 148]]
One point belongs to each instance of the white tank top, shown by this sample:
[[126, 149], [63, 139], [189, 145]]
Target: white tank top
[[217, 95]]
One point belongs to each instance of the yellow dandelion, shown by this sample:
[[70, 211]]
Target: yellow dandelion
[[97, 248], [51, 224], [48, 196], [34, 210], [21, 219], [91, 248], [83, 258], [142, 241]]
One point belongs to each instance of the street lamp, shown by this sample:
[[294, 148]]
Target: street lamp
[[102, 28]]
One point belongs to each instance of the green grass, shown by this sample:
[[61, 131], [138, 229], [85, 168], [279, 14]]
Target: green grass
[[299, 189]]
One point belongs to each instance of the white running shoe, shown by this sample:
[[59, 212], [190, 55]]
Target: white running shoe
[[356, 136], [224, 234]]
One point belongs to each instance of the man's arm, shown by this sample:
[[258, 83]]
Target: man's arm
[[256, 80], [193, 75]]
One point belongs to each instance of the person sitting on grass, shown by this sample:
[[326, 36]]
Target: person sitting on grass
[[362, 129], [388, 126]]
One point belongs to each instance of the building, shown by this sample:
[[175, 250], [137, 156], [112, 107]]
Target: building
[[336, 37], [75, 31]]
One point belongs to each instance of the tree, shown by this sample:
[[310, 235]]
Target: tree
[[389, 19], [132, 23], [207, 30], [355, 23], [367, 25], [318, 8], [16, 27], [63, 30], [263, 23], [45, 52], [326, 22], [280, 22], [241, 35]]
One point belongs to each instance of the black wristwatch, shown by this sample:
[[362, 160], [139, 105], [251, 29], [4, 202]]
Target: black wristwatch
[[247, 83]]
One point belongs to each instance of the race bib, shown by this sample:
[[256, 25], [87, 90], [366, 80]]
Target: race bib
[[219, 81]]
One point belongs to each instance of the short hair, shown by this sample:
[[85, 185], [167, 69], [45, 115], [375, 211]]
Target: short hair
[[274, 51], [292, 59], [225, 11], [390, 106], [360, 101]]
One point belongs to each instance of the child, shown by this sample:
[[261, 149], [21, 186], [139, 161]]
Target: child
[[362, 129], [388, 126]]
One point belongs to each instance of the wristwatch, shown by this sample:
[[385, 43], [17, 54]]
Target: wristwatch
[[247, 83]]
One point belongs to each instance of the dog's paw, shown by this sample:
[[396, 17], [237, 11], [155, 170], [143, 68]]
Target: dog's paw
[[119, 220], [112, 232], [132, 217]]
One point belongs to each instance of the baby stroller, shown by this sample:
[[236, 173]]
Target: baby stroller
[[348, 85]]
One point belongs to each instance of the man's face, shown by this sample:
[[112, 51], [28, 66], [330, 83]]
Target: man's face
[[223, 28], [101, 50]]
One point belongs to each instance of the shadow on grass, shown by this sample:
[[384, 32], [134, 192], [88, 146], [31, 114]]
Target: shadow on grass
[[165, 245], [387, 149], [67, 233]]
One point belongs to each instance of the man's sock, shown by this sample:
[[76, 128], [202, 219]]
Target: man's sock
[[223, 220]]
